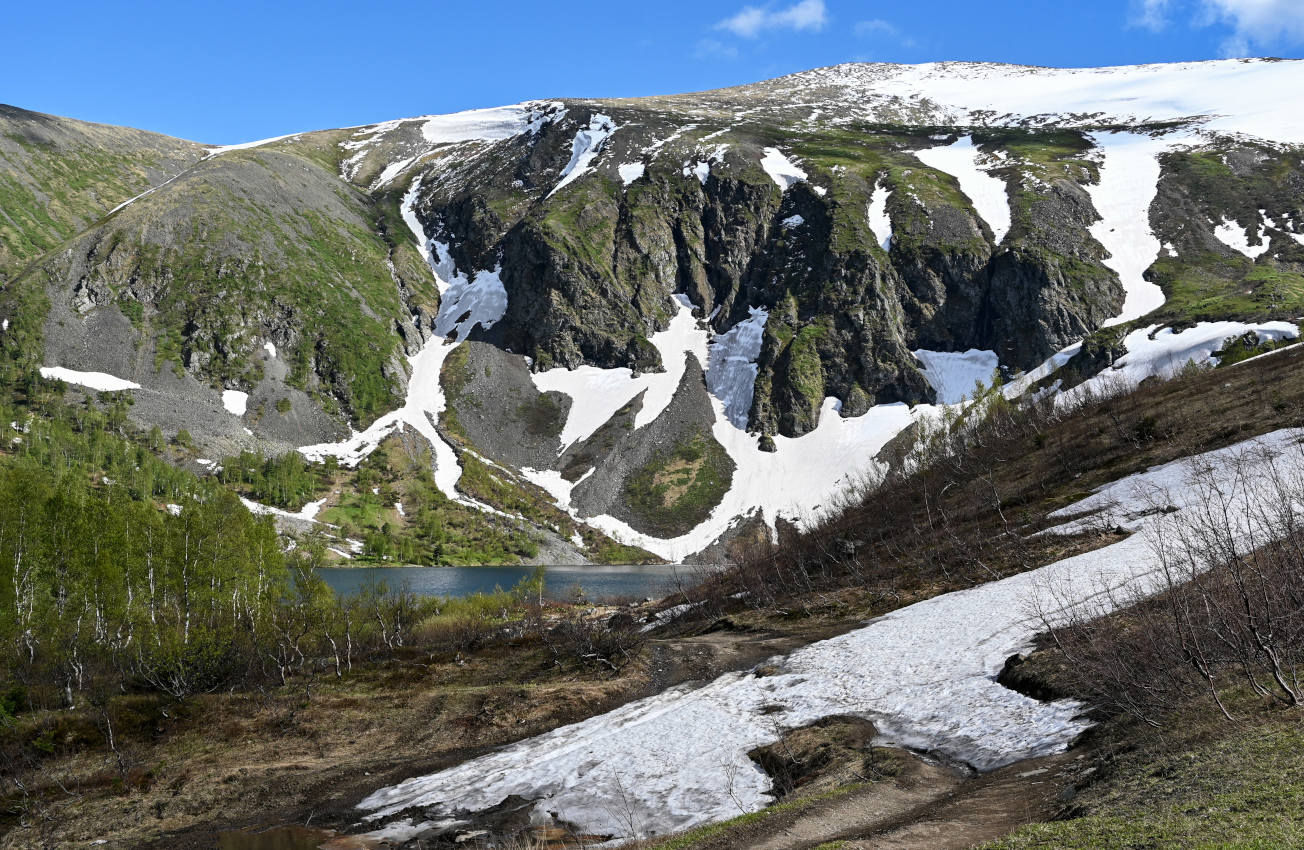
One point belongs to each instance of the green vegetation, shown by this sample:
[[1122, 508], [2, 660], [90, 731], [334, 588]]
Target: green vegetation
[[52, 192], [677, 489], [1247, 346], [433, 529], [288, 481], [1243, 789]]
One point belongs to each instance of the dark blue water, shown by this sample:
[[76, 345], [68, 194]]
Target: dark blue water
[[597, 583]]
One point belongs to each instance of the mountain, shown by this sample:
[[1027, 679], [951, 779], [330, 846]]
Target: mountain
[[663, 322]]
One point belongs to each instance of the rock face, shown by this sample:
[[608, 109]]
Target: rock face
[[820, 207], [589, 267]]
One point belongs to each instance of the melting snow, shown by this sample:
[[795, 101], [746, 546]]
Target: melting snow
[[1164, 352], [235, 402], [306, 514], [630, 171], [990, 196], [955, 374], [700, 169], [731, 376], [1235, 237], [467, 300], [924, 674], [879, 221], [101, 381], [599, 393], [587, 145], [1129, 181], [1236, 96], [783, 171]]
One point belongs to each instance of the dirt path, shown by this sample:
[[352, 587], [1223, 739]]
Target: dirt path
[[928, 807]]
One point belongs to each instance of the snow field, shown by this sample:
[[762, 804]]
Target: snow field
[[1235, 97], [955, 374], [101, 381], [990, 196], [588, 143], [924, 674], [1156, 351], [879, 221], [1129, 181]]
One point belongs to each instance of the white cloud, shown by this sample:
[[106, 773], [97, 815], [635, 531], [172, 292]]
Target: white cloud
[[751, 21], [1261, 23], [877, 25], [710, 48], [1254, 23], [1151, 14]]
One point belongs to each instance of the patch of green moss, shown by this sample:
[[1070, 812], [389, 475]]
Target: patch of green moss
[[678, 487]]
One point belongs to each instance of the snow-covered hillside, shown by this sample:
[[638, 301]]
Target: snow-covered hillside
[[925, 675], [592, 239]]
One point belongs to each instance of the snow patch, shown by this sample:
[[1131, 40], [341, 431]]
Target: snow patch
[[599, 393], [1129, 181], [630, 171], [879, 221], [1237, 238], [731, 373], [784, 172], [235, 402], [1155, 351], [588, 143], [270, 348], [101, 381], [955, 374], [793, 221], [990, 196]]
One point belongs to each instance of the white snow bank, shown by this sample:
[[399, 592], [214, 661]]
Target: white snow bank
[[1234, 96], [1129, 181], [599, 393], [467, 300], [630, 171], [270, 348], [486, 125], [1155, 351], [925, 675], [306, 514], [101, 381], [585, 147], [731, 373], [1237, 238], [802, 480], [221, 149], [879, 221], [954, 374], [235, 402], [784, 172], [793, 221], [990, 196], [701, 169]]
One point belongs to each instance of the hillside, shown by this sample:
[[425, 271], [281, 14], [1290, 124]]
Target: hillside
[[840, 251], [927, 356]]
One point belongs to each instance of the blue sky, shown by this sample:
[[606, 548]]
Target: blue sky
[[224, 72]]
